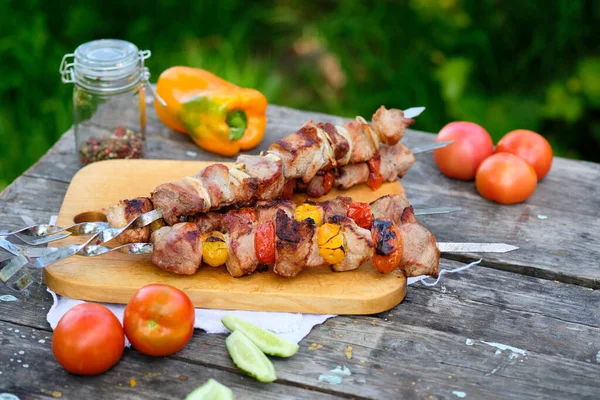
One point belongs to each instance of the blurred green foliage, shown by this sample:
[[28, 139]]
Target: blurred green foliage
[[505, 64]]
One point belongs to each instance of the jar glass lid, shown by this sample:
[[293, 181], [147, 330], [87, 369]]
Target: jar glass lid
[[106, 54], [105, 65]]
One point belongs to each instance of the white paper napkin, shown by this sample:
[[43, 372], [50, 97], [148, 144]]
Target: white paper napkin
[[292, 326]]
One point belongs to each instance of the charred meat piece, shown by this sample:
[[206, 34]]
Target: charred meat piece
[[207, 222], [363, 142], [178, 248], [351, 175], [215, 178], [267, 210], [122, 213], [268, 173], [338, 141], [179, 199], [358, 245], [337, 206], [242, 257], [294, 244], [304, 153], [395, 161], [242, 185], [420, 255], [390, 125], [390, 206]]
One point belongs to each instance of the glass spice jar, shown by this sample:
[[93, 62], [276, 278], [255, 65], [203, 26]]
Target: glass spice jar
[[109, 101]]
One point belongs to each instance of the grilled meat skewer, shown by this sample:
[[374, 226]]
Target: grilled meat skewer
[[313, 149], [292, 238]]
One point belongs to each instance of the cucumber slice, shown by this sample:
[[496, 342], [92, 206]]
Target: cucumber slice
[[250, 358], [268, 342], [211, 390]]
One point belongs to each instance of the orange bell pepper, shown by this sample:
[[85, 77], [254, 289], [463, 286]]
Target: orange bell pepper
[[219, 116]]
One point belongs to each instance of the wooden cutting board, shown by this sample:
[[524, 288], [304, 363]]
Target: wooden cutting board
[[115, 277]]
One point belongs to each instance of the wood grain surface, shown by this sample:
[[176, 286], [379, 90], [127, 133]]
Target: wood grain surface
[[429, 346]]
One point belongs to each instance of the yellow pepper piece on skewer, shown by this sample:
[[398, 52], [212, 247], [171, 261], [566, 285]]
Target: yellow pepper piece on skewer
[[305, 211], [214, 249], [331, 243]]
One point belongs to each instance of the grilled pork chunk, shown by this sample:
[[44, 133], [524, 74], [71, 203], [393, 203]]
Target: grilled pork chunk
[[364, 144], [389, 206], [179, 199], [294, 243], [304, 153], [208, 222], [337, 206], [240, 242], [420, 255], [351, 175], [215, 178], [178, 248], [390, 125], [395, 161], [358, 244], [268, 172], [122, 213], [267, 210]]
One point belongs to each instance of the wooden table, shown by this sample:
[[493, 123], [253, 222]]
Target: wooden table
[[447, 341]]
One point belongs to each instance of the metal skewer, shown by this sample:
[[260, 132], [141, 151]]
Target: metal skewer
[[108, 234], [41, 234], [430, 147]]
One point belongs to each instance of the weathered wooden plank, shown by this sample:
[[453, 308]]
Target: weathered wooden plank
[[563, 246], [424, 338], [29, 371], [36, 194], [513, 292]]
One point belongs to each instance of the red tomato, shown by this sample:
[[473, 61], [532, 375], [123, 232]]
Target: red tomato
[[375, 179], [388, 245], [472, 144], [159, 320], [88, 339], [328, 180], [264, 243], [505, 178], [361, 214], [531, 147]]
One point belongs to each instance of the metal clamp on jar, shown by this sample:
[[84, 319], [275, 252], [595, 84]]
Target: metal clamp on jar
[[109, 102]]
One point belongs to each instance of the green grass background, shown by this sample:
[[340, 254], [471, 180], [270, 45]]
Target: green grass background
[[505, 64]]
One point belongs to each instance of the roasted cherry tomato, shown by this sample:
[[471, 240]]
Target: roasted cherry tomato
[[214, 249], [505, 178], [331, 243], [328, 180], [531, 147], [361, 214], [264, 243], [305, 211], [159, 320], [375, 179], [88, 339], [460, 160], [388, 245]]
